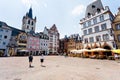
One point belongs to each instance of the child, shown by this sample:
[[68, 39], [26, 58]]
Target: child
[[42, 59]]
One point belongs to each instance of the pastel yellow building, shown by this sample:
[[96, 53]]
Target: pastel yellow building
[[116, 28]]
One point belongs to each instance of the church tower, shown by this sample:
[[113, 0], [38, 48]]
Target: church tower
[[28, 22]]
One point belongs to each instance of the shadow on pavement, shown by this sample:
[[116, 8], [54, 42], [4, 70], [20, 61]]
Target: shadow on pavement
[[43, 66], [31, 67]]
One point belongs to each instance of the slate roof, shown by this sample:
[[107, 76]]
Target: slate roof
[[15, 31], [93, 8], [30, 15]]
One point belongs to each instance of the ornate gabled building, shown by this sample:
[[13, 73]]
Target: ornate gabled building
[[22, 43], [74, 42], [53, 39], [97, 28], [79, 44], [28, 22], [16, 42], [116, 28], [70, 43]]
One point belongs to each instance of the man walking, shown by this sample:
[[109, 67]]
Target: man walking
[[30, 60]]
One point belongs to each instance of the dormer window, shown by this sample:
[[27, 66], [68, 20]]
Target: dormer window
[[89, 14], [93, 6], [98, 10]]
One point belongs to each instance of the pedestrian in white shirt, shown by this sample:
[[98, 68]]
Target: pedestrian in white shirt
[[116, 56], [42, 59]]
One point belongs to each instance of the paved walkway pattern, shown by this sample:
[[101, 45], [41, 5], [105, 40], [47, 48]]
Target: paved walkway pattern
[[58, 68]]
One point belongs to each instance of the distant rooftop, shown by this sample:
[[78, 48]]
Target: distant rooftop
[[15, 31]]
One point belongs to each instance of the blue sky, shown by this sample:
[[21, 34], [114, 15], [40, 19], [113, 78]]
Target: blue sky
[[66, 14]]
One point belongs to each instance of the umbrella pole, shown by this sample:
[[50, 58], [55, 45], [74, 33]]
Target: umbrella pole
[[92, 53]]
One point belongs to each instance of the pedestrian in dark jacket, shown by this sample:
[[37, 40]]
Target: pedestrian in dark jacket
[[30, 60]]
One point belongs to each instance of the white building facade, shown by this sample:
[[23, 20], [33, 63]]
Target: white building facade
[[53, 35], [44, 43], [97, 27], [5, 36]]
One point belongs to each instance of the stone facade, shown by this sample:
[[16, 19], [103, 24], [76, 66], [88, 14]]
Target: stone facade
[[28, 23], [70, 43], [74, 43], [116, 28], [63, 45]]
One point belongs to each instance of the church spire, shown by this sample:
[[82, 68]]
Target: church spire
[[30, 13], [29, 23]]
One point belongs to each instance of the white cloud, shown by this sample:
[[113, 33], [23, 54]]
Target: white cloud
[[94, 0], [29, 3], [36, 3], [78, 10], [45, 5]]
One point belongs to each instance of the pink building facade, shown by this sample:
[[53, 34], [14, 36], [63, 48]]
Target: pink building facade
[[33, 45]]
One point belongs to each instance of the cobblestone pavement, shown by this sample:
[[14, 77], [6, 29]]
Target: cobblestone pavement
[[58, 68]]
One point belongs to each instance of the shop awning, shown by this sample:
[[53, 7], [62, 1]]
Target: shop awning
[[23, 50], [116, 51], [98, 49]]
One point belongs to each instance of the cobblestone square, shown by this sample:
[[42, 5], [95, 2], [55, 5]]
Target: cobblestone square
[[58, 68]]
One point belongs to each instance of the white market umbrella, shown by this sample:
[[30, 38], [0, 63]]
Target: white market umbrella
[[98, 49]]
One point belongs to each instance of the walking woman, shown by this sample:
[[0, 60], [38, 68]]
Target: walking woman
[[30, 60]]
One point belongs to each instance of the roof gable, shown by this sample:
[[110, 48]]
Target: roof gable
[[94, 7]]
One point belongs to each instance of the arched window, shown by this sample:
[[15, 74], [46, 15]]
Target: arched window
[[32, 28], [32, 23], [28, 21], [27, 27]]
